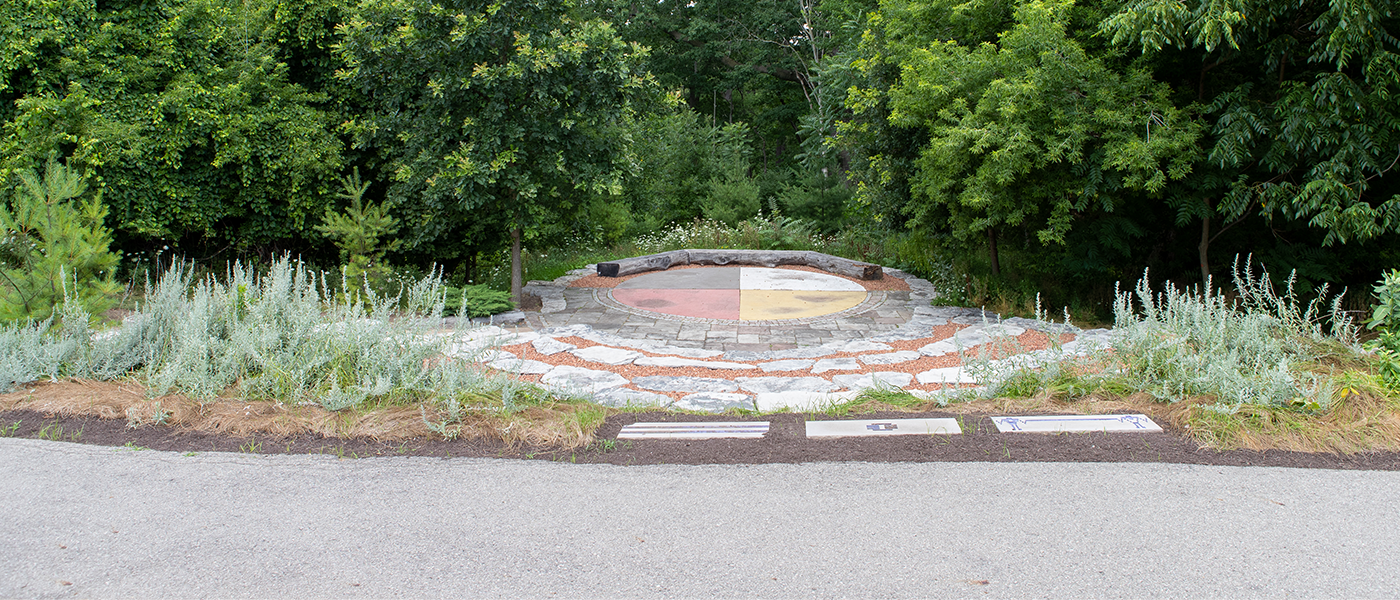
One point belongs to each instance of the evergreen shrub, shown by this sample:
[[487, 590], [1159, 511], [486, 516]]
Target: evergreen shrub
[[53, 245]]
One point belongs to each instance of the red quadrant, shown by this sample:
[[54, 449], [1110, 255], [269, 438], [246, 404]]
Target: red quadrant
[[704, 304]]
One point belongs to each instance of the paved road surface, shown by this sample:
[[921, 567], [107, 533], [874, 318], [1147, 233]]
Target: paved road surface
[[83, 521]]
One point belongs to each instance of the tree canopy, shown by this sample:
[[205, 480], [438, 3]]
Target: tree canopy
[[1089, 139]]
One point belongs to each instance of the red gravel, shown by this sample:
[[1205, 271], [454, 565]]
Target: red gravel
[[1029, 341]]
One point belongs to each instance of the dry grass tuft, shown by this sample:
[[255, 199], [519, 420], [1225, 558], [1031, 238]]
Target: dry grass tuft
[[566, 425], [108, 400], [557, 424], [1361, 420]]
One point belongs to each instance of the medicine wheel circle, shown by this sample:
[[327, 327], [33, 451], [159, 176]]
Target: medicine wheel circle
[[740, 294]]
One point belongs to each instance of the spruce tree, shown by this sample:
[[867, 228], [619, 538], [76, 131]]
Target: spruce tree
[[53, 243]]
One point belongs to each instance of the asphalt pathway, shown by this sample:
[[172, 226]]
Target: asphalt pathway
[[88, 521]]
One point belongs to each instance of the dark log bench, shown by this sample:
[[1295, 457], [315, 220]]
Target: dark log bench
[[759, 258]]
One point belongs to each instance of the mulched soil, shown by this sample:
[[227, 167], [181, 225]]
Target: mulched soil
[[785, 442]]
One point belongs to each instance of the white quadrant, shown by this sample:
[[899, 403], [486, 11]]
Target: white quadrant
[[758, 278], [883, 427], [693, 431], [1059, 423]]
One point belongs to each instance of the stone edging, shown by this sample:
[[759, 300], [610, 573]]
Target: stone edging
[[921, 295], [758, 258]]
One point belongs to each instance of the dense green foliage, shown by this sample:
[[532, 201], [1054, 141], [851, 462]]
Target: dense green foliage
[[1004, 147], [188, 112]]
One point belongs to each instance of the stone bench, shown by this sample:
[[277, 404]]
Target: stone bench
[[760, 258]]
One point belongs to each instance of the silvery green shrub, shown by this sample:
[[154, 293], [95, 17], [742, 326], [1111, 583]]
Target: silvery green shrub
[[284, 334], [1177, 344]]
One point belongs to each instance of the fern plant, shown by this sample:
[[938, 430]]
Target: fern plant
[[53, 244]]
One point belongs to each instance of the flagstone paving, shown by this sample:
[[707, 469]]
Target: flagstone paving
[[817, 357]]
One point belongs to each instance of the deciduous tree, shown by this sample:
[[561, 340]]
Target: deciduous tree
[[503, 110]]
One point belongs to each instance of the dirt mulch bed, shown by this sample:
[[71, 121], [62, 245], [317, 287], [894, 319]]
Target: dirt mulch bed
[[786, 442]]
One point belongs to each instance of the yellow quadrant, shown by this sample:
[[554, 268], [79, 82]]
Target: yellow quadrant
[[765, 305]]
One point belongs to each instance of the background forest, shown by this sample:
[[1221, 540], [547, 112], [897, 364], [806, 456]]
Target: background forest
[[1001, 148]]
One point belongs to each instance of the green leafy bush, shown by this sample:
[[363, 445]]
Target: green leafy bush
[[479, 300], [731, 199], [53, 245], [1385, 318]]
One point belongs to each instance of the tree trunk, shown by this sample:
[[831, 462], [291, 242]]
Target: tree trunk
[[516, 271], [1204, 246], [992, 248]]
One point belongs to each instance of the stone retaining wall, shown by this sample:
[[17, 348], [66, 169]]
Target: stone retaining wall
[[761, 258]]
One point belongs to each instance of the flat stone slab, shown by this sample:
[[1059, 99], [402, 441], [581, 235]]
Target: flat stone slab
[[1066, 423], [796, 364], [888, 379], [693, 431], [971, 337], [863, 346], [663, 383], [620, 397], [946, 375], [801, 401], [548, 346], [522, 366], [786, 384], [883, 427], [606, 355], [581, 379], [890, 358], [672, 361], [835, 364], [714, 402]]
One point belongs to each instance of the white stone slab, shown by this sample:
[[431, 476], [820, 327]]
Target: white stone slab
[[785, 384], [581, 379], [523, 337], [758, 278], [796, 364], [621, 397], [854, 346], [672, 361], [606, 355], [883, 427], [548, 346], [835, 364], [1063, 423], [522, 366], [946, 375], [647, 345], [714, 402], [971, 337], [800, 401], [693, 431], [893, 379], [667, 383], [891, 357], [492, 354]]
